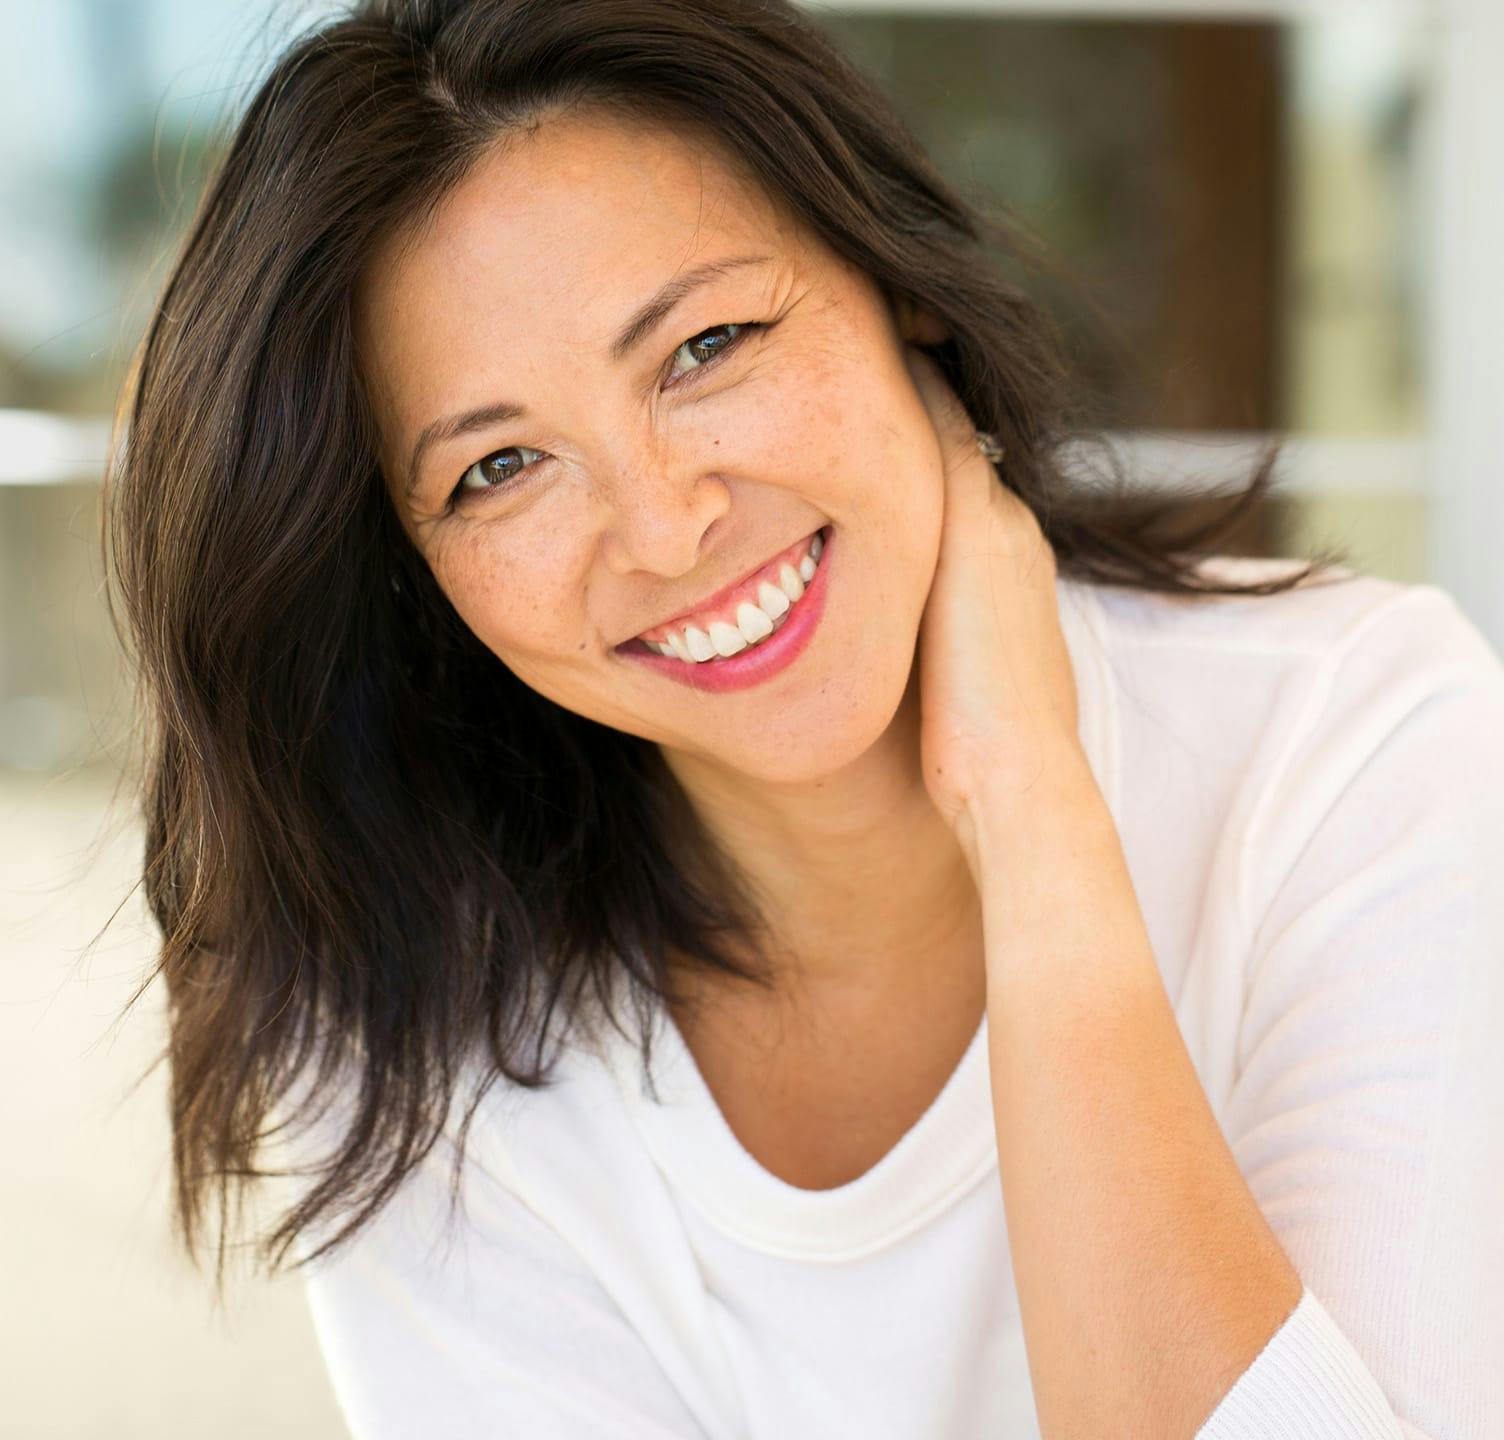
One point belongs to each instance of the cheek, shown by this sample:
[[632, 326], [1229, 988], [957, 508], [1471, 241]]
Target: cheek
[[852, 427], [516, 598], [824, 419]]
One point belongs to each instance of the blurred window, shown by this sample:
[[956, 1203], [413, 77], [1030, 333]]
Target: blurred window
[[1239, 205]]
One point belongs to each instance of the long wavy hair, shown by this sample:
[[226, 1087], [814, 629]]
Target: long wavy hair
[[371, 850]]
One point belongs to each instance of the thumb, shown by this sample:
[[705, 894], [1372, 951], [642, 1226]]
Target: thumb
[[969, 473]]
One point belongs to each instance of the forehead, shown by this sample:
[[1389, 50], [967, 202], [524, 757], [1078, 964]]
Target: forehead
[[554, 235]]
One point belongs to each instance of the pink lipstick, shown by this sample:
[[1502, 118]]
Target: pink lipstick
[[759, 662]]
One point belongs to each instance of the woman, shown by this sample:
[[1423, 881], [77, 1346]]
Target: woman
[[593, 530]]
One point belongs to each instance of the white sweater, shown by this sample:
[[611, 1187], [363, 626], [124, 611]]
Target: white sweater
[[1309, 788]]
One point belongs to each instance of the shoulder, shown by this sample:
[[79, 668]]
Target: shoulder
[[1317, 619], [1372, 763], [1339, 638], [1258, 710]]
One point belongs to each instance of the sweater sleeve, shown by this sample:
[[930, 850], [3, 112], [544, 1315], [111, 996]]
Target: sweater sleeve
[[1368, 1112], [479, 1323]]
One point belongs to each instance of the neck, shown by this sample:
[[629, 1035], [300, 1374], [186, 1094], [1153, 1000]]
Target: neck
[[866, 887]]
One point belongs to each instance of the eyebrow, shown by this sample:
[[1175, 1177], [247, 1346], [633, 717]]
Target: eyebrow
[[644, 320]]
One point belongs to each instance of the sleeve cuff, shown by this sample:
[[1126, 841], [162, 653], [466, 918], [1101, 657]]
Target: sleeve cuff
[[1308, 1383]]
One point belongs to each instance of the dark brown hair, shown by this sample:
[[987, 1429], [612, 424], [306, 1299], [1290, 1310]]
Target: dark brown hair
[[369, 847]]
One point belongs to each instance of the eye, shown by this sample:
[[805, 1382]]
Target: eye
[[491, 473], [716, 351], [495, 472]]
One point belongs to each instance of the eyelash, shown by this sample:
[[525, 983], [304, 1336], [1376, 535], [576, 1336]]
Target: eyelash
[[458, 495]]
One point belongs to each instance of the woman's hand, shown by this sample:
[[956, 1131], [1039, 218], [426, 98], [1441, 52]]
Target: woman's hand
[[997, 691]]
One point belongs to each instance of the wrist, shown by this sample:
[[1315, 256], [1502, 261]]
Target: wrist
[[1056, 771], [1016, 810]]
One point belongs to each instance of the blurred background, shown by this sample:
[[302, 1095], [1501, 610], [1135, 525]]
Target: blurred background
[[1283, 216]]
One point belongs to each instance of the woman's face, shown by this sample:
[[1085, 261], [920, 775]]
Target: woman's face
[[626, 475]]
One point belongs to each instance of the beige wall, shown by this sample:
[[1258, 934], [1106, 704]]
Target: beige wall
[[104, 1329]]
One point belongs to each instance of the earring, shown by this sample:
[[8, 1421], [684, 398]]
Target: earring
[[987, 444]]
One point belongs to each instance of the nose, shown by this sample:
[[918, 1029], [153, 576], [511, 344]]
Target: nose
[[660, 522]]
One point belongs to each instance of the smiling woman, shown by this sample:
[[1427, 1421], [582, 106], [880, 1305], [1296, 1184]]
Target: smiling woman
[[593, 530]]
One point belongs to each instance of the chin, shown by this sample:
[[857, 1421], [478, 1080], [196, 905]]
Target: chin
[[827, 732]]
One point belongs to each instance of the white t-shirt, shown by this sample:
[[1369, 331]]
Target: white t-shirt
[[1309, 788]]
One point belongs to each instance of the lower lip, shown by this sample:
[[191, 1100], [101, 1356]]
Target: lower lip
[[757, 662]]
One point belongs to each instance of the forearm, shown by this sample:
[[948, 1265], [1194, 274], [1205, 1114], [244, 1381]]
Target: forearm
[[1147, 1277]]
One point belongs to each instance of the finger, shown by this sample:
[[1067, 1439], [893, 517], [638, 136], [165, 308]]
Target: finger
[[952, 424], [970, 475]]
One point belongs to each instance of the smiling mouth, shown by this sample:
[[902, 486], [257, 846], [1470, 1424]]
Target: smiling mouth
[[731, 663], [741, 615]]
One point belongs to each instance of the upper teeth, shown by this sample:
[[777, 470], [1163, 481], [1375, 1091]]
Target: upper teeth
[[753, 622]]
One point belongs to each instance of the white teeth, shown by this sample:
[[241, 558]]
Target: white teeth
[[698, 643], [727, 639], [753, 624], [772, 600]]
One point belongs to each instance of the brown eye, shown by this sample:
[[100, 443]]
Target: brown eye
[[494, 472], [711, 350], [499, 469]]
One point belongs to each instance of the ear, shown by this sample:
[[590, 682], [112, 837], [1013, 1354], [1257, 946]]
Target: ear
[[916, 324]]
